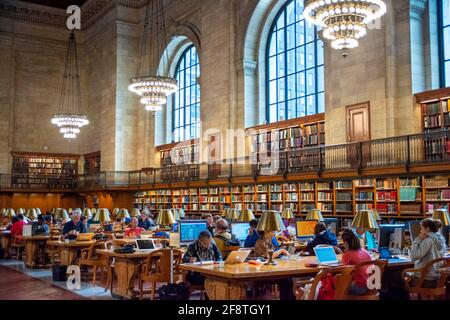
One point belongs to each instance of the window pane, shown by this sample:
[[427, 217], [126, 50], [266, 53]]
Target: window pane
[[311, 105], [446, 13], [301, 107], [321, 102], [295, 73], [320, 79], [186, 100], [446, 42], [447, 73]]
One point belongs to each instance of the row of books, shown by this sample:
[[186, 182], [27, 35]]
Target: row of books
[[408, 194], [387, 208], [362, 196], [386, 184], [344, 207], [344, 184], [430, 122], [387, 195], [344, 196], [325, 196], [443, 195], [437, 182]]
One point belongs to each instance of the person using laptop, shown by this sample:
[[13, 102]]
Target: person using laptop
[[253, 236], [203, 249], [428, 246], [134, 231], [74, 226], [322, 236], [39, 227], [354, 254]]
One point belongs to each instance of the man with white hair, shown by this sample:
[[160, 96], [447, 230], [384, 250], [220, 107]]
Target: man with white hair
[[74, 226]]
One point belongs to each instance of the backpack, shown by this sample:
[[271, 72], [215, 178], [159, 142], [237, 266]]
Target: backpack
[[174, 292], [328, 289], [233, 242]]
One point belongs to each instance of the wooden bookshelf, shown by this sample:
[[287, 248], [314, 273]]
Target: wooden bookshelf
[[394, 197], [92, 163], [291, 135], [38, 170]]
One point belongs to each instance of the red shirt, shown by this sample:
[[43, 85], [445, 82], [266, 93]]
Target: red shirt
[[354, 257], [17, 228], [133, 233]]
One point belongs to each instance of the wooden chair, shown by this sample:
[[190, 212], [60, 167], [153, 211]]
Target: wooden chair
[[372, 294], [18, 245], [343, 277], [90, 258], [193, 288], [438, 292], [110, 267], [156, 269]]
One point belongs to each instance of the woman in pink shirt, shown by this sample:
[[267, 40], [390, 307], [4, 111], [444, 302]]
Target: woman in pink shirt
[[355, 255], [133, 231]]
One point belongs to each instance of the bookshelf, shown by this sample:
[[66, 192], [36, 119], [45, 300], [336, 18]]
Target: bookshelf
[[176, 154], [393, 197], [92, 163], [291, 135], [38, 170]]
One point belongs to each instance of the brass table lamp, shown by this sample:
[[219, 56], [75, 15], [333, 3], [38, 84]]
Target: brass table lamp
[[246, 216], [9, 213], [31, 214], [376, 215], [61, 215], [87, 213], [270, 222], [315, 214], [364, 219], [233, 215], [102, 216], [287, 214], [135, 213], [21, 211], [165, 218], [38, 211], [122, 214], [442, 214]]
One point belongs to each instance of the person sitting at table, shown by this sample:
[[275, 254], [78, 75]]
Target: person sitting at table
[[262, 247], [253, 236], [39, 227], [222, 236], [145, 222], [17, 226], [354, 254], [74, 226], [428, 246], [203, 249], [210, 223], [133, 231], [322, 236], [216, 218]]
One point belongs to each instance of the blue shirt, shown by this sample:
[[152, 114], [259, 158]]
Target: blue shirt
[[252, 238], [70, 226], [145, 224]]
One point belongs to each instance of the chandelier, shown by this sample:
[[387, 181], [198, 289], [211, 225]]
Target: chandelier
[[154, 89], [69, 120], [343, 21]]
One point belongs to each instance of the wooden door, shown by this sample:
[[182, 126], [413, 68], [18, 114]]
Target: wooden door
[[358, 130]]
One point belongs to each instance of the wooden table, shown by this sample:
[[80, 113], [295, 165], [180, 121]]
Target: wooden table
[[230, 281], [32, 249], [126, 268], [69, 250], [5, 240]]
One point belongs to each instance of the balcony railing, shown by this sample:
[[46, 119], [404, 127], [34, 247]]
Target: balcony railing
[[405, 151]]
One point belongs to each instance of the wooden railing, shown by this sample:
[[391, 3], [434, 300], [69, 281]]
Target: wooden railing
[[405, 151]]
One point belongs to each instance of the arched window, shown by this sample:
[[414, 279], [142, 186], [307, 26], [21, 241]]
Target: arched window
[[444, 8], [186, 105], [295, 71]]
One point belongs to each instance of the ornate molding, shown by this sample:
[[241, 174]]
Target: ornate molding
[[250, 68], [417, 8], [32, 13]]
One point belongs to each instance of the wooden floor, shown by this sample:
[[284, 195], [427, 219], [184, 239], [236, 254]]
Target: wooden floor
[[15, 285]]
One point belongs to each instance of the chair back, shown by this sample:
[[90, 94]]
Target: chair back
[[343, 276], [441, 282], [372, 294], [157, 267]]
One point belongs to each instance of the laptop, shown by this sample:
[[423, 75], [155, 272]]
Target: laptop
[[145, 245], [85, 236], [237, 256], [385, 254], [326, 256]]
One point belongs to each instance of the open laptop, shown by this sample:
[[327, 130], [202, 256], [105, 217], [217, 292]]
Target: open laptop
[[145, 245], [326, 256], [237, 256], [385, 254], [85, 236]]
